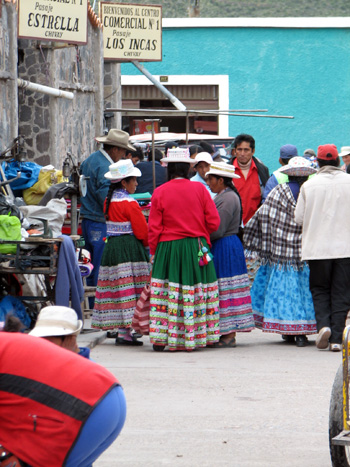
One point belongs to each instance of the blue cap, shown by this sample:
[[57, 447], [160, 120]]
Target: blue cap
[[288, 151]]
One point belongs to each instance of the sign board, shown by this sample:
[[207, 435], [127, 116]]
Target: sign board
[[53, 20], [132, 32]]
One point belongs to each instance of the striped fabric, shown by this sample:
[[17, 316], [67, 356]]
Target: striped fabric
[[235, 304], [184, 300], [123, 273], [234, 291]]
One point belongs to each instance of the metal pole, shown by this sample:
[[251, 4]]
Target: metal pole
[[153, 154], [174, 100], [44, 89], [187, 126]]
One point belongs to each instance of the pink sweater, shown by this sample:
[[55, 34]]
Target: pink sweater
[[181, 208]]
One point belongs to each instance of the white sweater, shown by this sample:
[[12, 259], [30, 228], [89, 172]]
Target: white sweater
[[323, 211]]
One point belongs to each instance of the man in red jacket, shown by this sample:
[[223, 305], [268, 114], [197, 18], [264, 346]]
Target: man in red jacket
[[56, 408]]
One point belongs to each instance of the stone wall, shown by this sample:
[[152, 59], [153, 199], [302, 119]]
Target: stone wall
[[8, 74], [54, 126]]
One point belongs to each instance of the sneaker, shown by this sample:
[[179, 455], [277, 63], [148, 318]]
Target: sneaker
[[323, 337], [335, 347]]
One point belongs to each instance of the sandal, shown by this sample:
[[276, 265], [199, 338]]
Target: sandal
[[230, 343], [133, 341]]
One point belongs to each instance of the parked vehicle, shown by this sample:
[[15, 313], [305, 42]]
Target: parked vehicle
[[339, 411]]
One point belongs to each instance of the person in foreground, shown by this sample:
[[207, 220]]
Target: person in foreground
[[281, 298], [56, 408], [322, 211], [234, 293], [184, 303], [61, 326], [124, 267]]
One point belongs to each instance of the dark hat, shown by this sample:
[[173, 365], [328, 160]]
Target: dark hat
[[327, 152], [288, 151]]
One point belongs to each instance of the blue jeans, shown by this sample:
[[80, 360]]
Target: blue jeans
[[94, 233], [100, 430]]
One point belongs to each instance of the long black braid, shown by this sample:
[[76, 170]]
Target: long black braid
[[112, 187]]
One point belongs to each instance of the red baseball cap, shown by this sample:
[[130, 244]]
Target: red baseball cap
[[327, 152]]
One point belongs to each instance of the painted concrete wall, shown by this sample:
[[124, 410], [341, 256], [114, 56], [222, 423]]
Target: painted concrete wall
[[299, 72]]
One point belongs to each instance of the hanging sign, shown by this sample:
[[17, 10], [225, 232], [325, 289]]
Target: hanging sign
[[53, 20], [132, 32]]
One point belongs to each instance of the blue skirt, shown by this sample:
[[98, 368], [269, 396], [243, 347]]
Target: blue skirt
[[234, 294], [282, 300]]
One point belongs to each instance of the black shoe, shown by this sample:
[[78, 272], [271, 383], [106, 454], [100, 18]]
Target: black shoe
[[287, 338], [133, 341], [158, 348], [112, 334], [301, 341]]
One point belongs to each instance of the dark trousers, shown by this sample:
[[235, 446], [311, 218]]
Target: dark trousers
[[330, 289], [94, 234]]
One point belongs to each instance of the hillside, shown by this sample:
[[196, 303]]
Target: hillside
[[253, 9]]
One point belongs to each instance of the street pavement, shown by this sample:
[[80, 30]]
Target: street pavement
[[263, 403]]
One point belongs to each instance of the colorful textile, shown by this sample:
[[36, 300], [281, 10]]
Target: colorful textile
[[184, 297], [281, 296], [234, 294], [125, 217], [181, 209], [124, 272], [273, 232], [290, 312]]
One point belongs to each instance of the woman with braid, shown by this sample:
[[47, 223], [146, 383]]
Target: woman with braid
[[124, 267], [234, 295]]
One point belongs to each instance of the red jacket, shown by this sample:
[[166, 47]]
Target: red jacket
[[180, 209], [46, 395]]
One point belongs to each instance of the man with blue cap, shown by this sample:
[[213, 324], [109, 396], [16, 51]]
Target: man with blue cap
[[277, 178]]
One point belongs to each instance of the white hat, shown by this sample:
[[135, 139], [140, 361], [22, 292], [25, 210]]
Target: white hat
[[222, 170], [298, 167], [122, 169], [178, 155], [56, 321], [203, 157], [117, 138], [345, 151]]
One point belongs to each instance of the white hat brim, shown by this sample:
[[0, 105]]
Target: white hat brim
[[134, 173], [187, 160], [51, 331], [222, 174]]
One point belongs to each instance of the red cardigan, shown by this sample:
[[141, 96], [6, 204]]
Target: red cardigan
[[179, 209], [46, 395]]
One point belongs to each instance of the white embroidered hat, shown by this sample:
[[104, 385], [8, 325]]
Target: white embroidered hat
[[222, 170], [345, 151], [178, 155], [56, 321], [298, 167], [122, 169]]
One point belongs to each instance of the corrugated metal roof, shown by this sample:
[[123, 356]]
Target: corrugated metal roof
[[182, 92]]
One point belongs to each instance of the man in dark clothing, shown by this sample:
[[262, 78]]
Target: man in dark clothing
[[253, 175], [145, 182]]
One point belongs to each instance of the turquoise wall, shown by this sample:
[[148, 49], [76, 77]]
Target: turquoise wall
[[300, 72]]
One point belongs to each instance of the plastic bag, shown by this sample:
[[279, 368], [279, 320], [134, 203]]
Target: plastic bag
[[10, 229], [46, 179]]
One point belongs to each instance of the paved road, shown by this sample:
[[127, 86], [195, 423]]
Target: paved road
[[264, 403]]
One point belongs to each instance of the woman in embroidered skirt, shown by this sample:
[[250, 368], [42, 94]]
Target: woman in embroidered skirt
[[234, 293], [281, 296], [124, 267], [184, 302]]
